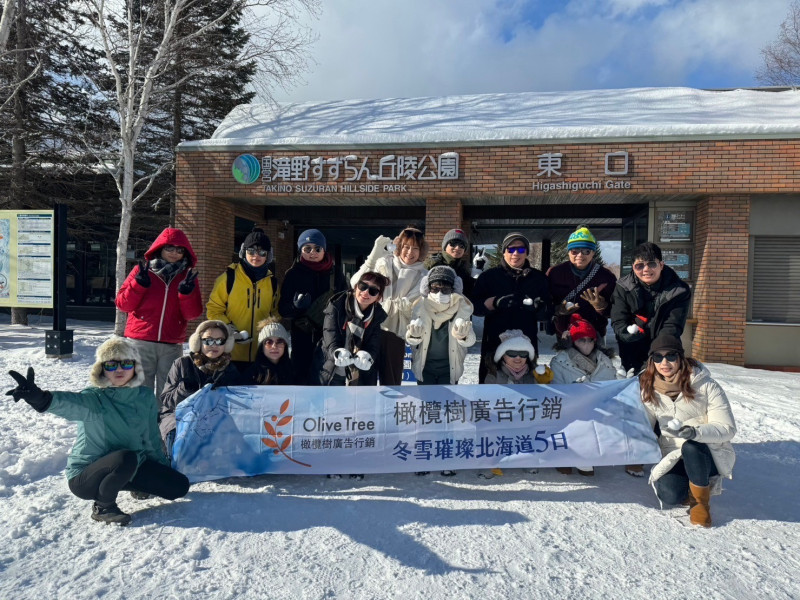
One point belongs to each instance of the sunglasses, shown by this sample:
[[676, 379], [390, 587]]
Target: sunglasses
[[363, 287], [651, 264], [517, 250], [309, 249], [213, 341], [270, 342], [517, 353], [111, 365], [178, 249], [253, 252], [457, 244], [584, 251], [670, 356], [441, 287]]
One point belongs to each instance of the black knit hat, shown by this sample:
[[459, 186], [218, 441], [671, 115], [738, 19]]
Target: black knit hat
[[666, 342], [513, 237], [257, 237], [442, 274]]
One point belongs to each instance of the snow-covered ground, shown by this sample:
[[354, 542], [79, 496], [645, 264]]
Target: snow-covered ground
[[390, 536]]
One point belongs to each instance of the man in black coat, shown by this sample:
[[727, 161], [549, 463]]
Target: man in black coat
[[511, 296], [647, 302]]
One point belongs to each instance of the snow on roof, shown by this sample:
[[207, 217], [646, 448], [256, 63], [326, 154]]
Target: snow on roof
[[502, 119]]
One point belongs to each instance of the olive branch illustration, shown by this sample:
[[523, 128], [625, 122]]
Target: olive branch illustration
[[274, 441]]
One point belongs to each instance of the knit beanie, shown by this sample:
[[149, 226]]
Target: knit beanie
[[582, 238], [666, 342], [581, 328], [195, 340], [272, 328], [442, 274], [116, 348], [311, 236], [513, 237], [514, 339], [455, 235], [257, 237]]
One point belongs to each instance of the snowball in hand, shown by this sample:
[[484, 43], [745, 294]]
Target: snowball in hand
[[391, 247], [569, 305], [244, 335], [540, 369], [527, 301], [633, 328], [458, 322], [674, 425], [417, 322]]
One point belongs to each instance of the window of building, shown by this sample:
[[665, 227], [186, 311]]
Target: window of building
[[776, 279]]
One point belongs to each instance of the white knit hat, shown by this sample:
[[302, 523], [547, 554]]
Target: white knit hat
[[514, 339], [116, 348], [271, 327]]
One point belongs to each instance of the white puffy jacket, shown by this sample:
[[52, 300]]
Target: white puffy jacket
[[709, 412], [457, 349], [565, 371]]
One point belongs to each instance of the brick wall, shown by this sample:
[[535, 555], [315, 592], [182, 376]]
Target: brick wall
[[441, 215]]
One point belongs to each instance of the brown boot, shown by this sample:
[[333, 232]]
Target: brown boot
[[564, 470], [700, 514], [690, 501]]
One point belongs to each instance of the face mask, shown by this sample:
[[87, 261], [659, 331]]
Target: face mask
[[439, 297]]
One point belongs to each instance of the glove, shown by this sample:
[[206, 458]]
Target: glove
[[461, 329], [543, 374], [506, 302], [415, 328], [143, 276], [378, 250], [532, 304], [30, 392], [633, 333], [593, 297], [242, 337], [581, 379], [687, 432], [640, 322], [479, 261], [363, 361], [187, 285], [301, 301], [565, 309], [342, 357]]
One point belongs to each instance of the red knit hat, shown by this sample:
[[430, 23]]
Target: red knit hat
[[581, 328]]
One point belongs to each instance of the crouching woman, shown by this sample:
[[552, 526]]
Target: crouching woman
[[118, 445], [696, 425]]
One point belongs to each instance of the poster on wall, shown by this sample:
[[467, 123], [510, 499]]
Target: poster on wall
[[27, 252], [675, 226], [680, 259]]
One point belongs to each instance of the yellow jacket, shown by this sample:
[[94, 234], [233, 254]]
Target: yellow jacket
[[245, 306]]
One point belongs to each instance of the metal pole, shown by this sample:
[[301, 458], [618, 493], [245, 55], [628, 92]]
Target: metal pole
[[58, 342]]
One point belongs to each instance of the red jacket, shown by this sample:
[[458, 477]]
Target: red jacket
[[160, 313]]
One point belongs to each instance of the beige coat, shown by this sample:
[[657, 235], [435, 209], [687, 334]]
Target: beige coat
[[709, 411]]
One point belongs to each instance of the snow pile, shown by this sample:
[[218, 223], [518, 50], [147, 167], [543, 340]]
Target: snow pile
[[520, 535], [587, 115]]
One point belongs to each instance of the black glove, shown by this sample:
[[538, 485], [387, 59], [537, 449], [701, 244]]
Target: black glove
[[30, 392], [627, 336], [301, 300], [187, 285], [143, 276], [534, 306], [640, 321], [506, 302], [687, 432]]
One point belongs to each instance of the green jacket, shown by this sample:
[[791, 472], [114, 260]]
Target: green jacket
[[109, 419]]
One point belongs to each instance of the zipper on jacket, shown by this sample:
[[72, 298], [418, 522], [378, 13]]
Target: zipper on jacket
[[163, 310], [252, 319]]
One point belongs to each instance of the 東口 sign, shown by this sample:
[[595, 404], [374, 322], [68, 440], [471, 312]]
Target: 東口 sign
[[250, 430]]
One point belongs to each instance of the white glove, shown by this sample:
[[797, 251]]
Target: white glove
[[581, 379], [363, 361], [342, 357], [415, 328], [242, 337], [461, 329], [378, 250]]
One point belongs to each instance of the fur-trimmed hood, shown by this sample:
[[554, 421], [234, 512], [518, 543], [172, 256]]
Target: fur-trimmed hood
[[195, 345], [116, 348]]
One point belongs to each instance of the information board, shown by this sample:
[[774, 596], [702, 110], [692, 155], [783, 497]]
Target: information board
[[27, 254]]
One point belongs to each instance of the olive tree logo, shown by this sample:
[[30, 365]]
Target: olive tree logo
[[277, 440], [246, 168]]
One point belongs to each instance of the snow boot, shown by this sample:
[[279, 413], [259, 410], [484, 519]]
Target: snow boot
[[137, 495], [586, 471], [358, 476], [700, 514], [448, 473], [421, 473], [635, 470], [110, 514], [564, 470]]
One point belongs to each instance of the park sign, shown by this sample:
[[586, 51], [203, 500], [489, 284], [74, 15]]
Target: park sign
[[253, 430], [27, 254]]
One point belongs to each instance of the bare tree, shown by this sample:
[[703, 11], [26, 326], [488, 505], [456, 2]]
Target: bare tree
[[137, 61], [782, 57], [9, 8]]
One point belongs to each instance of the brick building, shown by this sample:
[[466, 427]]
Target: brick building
[[712, 177]]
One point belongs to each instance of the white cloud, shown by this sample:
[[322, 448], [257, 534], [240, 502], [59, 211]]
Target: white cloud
[[378, 49]]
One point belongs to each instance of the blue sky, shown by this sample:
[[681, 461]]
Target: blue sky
[[404, 48]]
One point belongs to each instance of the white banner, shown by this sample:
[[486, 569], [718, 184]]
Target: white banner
[[251, 430]]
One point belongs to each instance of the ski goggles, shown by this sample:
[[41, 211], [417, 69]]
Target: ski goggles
[[111, 365], [365, 287]]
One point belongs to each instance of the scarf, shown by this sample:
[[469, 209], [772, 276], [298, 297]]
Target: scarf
[[587, 364], [324, 265], [516, 375], [209, 366], [356, 323], [440, 313], [513, 271], [255, 273], [589, 274], [667, 386], [167, 271]]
